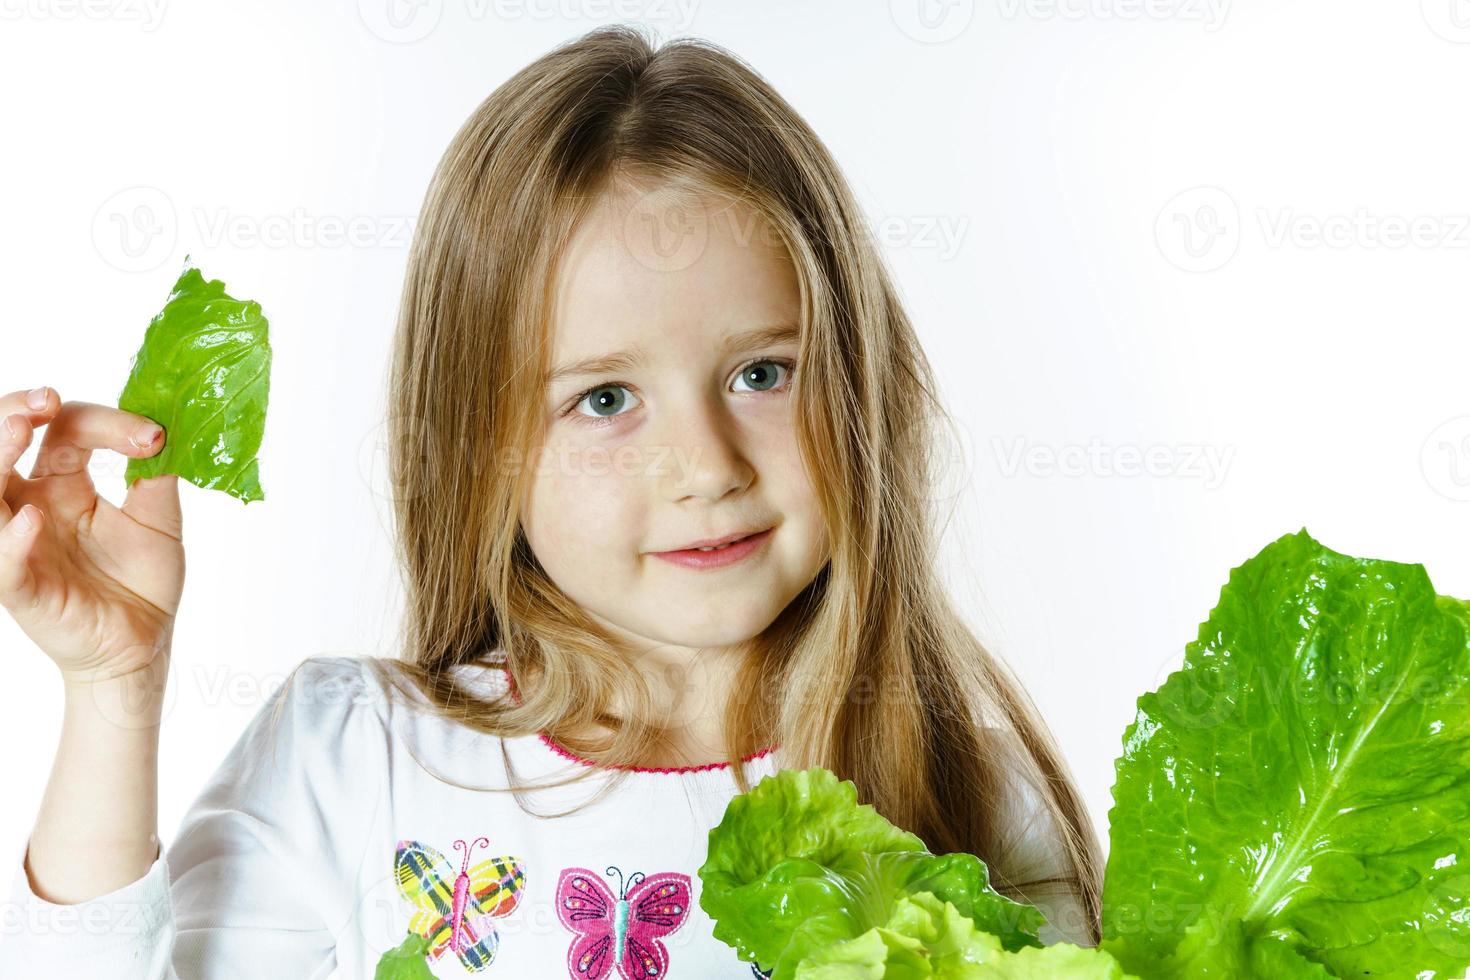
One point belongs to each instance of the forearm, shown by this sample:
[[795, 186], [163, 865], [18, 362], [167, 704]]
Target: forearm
[[97, 828]]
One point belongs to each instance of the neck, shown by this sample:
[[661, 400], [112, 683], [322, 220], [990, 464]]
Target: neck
[[689, 704]]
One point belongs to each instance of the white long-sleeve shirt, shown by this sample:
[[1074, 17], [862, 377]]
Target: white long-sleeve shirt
[[324, 841]]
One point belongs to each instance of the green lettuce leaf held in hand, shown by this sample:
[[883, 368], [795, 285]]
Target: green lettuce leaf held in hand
[[927, 938], [203, 373], [797, 865], [1295, 800]]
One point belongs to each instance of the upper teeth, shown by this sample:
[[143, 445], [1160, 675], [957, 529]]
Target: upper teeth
[[723, 545]]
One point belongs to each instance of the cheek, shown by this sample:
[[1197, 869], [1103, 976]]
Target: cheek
[[581, 511], [791, 491], [781, 462]]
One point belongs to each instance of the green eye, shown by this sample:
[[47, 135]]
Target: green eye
[[610, 398], [761, 375], [608, 401]]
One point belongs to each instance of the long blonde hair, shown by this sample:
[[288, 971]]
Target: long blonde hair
[[871, 672]]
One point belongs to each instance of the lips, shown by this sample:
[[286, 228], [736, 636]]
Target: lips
[[717, 542], [732, 554]]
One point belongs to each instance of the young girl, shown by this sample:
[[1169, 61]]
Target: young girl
[[641, 318]]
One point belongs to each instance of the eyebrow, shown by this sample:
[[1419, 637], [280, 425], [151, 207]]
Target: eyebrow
[[624, 360]]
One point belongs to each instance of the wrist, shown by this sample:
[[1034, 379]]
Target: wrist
[[131, 700]]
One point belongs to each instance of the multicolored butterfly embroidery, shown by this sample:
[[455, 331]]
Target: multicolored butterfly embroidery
[[622, 929], [457, 912]]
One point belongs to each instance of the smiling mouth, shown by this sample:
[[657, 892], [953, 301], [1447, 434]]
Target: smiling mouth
[[716, 547], [718, 556]]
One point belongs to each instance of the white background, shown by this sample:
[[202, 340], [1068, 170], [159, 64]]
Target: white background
[[1100, 214]]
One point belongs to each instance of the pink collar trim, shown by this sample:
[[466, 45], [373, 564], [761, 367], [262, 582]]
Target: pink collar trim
[[567, 753]]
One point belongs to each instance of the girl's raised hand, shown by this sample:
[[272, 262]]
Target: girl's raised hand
[[94, 586]]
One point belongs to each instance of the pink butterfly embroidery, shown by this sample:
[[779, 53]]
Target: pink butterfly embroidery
[[625, 928]]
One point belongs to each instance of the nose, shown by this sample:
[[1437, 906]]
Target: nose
[[705, 455]]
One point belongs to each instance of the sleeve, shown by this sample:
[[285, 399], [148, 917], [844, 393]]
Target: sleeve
[[252, 885]]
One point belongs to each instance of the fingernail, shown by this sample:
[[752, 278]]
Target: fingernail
[[145, 435], [36, 398], [21, 523]]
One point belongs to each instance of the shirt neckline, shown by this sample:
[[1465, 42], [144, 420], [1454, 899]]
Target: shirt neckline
[[568, 754]]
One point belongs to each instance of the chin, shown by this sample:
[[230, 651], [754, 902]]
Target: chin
[[725, 630]]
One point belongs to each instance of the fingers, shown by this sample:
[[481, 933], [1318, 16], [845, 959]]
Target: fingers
[[78, 428], [14, 434], [17, 538], [33, 407], [36, 403]]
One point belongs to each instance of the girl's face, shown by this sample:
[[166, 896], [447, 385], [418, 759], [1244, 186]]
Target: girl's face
[[690, 436]]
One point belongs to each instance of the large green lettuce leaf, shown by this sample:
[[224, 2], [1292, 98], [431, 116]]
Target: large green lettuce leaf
[[203, 373], [927, 938], [1295, 800], [797, 865]]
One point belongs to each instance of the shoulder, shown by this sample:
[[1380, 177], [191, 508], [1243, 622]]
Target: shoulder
[[329, 678], [314, 736], [1025, 819], [1034, 836], [367, 690], [377, 683], [1031, 840], [327, 687], [327, 690], [325, 704], [1036, 856]]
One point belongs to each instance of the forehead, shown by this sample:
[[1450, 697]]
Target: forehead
[[658, 267]]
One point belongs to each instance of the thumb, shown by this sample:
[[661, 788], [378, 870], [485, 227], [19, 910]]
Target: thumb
[[154, 502]]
